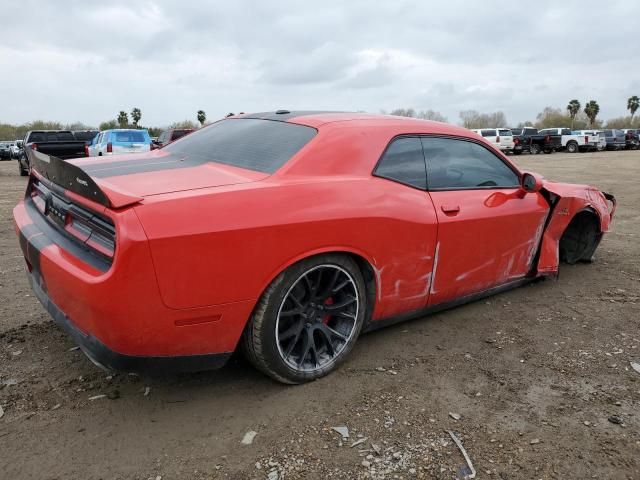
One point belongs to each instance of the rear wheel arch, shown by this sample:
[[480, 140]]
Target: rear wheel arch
[[364, 263], [261, 331]]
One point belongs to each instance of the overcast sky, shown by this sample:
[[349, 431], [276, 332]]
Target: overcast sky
[[86, 60]]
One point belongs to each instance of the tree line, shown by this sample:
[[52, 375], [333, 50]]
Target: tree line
[[13, 132], [574, 115]]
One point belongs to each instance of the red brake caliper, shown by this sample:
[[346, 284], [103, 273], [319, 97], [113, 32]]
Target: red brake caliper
[[327, 317]]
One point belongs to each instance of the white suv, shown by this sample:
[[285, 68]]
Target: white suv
[[501, 138]]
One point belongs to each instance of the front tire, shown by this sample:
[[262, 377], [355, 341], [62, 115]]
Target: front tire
[[308, 319]]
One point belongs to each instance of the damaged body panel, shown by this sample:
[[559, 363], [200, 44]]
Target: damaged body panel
[[569, 200]]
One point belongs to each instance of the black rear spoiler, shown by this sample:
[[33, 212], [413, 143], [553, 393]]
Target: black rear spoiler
[[66, 175]]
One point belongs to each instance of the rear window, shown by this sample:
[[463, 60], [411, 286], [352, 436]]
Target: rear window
[[488, 133], [129, 137], [179, 134], [516, 131], [507, 133], [51, 137], [260, 145], [85, 136]]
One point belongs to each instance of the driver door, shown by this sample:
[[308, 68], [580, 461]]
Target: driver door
[[489, 229]]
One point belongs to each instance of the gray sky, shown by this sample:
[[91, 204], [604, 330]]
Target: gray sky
[[86, 60]]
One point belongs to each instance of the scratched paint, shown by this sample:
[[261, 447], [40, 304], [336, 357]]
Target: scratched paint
[[435, 268]]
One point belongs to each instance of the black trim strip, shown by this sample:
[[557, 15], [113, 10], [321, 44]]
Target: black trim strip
[[385, 322], [109, 359]]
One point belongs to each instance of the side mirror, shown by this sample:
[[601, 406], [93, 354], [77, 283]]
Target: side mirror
[[531, 182]]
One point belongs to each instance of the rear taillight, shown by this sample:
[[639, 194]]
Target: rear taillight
[[34, 146], [586, 139], [86, 151], [498, 139], [516, 141], [94, 231], [91, 230], [547, 139], [109, 147]]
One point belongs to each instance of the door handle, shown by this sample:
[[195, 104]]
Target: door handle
[[450, 208]]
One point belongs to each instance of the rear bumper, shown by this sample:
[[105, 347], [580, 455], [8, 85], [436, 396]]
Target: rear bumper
[[117, 315], [109, 359]]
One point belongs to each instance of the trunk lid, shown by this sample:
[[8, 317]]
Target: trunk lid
[[126, 179]]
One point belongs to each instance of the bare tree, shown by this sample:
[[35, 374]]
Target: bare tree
[[475, 119]]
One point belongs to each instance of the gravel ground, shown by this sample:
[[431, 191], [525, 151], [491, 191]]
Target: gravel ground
[[531, 382]]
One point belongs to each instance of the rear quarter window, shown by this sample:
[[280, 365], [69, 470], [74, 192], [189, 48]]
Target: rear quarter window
[[253, 144], [403, 161]]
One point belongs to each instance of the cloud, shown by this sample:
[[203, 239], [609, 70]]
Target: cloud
[[77, 60]]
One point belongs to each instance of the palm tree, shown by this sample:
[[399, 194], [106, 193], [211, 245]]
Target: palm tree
[[632, 105], [202, 117], [591, 109], [573, 108], [136, 115], [123, 119]]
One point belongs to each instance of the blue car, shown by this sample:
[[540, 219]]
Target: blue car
[[119, 141]]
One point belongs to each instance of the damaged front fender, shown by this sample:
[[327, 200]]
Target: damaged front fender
[[567, 200]]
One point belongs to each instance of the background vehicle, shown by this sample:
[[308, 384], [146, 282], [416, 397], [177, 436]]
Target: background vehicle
[[288, 234], [87, 136], [171, 135], [16, 149], [570, 142], [631, 138], [615, 139], [528, 139], [5, 150], [116, 142], [59, 143], [594, 134], [501, 138]]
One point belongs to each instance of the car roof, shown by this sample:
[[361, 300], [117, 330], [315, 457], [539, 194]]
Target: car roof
[[320, 119]]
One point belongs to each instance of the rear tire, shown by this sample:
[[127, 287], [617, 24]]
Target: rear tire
[[534, 149], [307, 320], [23, 171], [572, 147]]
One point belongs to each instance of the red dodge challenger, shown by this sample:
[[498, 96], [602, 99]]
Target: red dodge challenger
[[287, 234]]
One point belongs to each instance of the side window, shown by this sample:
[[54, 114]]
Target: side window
[[403, 161], [566, 131], [459, 164]]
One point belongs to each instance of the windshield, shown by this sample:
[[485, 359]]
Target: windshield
[[253, 144]]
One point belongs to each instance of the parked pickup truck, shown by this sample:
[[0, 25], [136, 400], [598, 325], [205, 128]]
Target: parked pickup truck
[[528, 139], [631, 138], [573, 143], [58, 143]]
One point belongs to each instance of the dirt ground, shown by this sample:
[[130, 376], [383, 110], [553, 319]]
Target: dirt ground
[[533, 374]]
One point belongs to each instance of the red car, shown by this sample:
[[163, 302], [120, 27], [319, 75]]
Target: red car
[[289, 234]]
